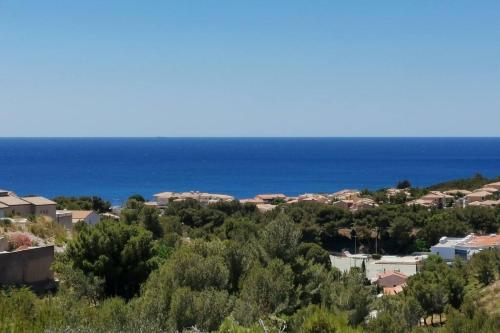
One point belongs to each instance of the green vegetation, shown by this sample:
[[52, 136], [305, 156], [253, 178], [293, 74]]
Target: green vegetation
[[464, 184], [83, 203], [48, 230], [227, 267]]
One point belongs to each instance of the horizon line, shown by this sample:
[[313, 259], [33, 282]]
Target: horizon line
[[249, 137]]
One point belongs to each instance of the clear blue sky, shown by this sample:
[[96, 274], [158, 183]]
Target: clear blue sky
[[250, 68]]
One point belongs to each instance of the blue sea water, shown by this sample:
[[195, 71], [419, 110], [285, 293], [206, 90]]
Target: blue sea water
[[115, 168]]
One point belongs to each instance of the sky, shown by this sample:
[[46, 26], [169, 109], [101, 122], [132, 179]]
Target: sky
[[249, 68]]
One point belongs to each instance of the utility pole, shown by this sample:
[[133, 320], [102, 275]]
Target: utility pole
[[355, 250], [354, 234]]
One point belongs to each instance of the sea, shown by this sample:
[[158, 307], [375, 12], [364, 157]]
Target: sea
[[115, 168]]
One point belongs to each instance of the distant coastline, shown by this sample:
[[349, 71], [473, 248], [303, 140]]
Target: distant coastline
[[116, 168]]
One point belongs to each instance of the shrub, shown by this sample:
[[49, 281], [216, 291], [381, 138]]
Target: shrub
[[19, 239], [47, 229]]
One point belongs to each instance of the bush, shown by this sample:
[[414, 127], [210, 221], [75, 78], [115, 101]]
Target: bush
[[47, 229], [18, 240]]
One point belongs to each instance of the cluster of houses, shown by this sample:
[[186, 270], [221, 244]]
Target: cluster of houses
[[349, 199], [164, 198], [450, 248], [461, 198], [18, 208], [390, 273], [30, 263]]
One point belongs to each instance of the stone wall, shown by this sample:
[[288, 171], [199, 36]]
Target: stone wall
[[4, 243], [28, 266]]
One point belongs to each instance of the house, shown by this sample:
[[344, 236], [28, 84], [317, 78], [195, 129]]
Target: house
[[445, 248], [485, 203], [265, 207], [346, 195], [457, 192], [164, 198], [363, 203], [434, 198], [390, 280], [15, 206], [252, 201], [449, 248], [64, 218], [409, 265], [270, 198], [392, 192], [12, 205], [42, 206], [347, 204], [87, 216], [479, 195], [493, 185], [492, 190], [310, 197]]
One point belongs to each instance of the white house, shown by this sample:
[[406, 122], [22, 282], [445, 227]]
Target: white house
[[449, 248], [446, 247], [87, 216]]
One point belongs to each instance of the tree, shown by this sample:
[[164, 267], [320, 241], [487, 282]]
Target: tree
[[150, 219], [442, 224], [83, 203], [348, 292], [204, 309], [118, 253], [280, 239], [315, 253], [137, 197], [402, 184], [400, 231], [482, 219], [485, 265], [266, 290]]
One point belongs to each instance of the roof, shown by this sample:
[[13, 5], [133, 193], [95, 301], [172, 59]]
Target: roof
[[470, 241], [401, 260], [489, 189], [493, 184], [485, 203], [390, 273], [455, 191], [394, 290], [480, 193], [254, 201], [265, 207], [80, 214], [346, 191], [13, 201], [3, 205], [492, 240], [436, 195], [270, 196], [421, 202], [110, 215], [39, 201], [449, 242]]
